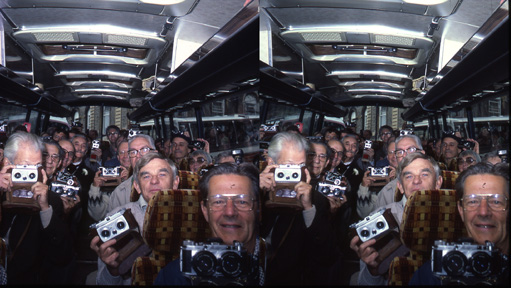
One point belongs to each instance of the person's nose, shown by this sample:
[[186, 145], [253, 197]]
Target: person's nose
[[229, 208], [483, 208], [417, 179]]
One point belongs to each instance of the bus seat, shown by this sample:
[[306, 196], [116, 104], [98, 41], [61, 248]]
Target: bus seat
[[428, 215], [171, 217], [449, 179], [188, 180]]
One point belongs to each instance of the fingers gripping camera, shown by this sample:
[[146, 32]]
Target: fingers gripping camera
[[379, 171], [110, 171], [467, 263], [286, 177], [23, 177]]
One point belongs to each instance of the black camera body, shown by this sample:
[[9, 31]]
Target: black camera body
[[238, 155], [133, 132], [216, 263], [66, 185], [379, 171], [3, 128], [264, 145], [376, 225], [406, 132], [333, 185], [110, 171], [197, 145], [315, 138], [466, 144], [468, 263]]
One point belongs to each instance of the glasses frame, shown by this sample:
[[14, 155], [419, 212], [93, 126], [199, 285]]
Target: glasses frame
[[486, 197], [229, 197], [401, 152], [136, 152]]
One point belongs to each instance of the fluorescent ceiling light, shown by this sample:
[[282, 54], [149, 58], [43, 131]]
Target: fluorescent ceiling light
[[162, 2], [422, 2]]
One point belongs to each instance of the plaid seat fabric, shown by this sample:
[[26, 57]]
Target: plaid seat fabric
[[188, 180], [449, 178], [428, 215], [171, 217]]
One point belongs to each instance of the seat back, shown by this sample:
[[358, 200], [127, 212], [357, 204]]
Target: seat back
[[171, 217], [188, 180], [428, 215], [449, 179]]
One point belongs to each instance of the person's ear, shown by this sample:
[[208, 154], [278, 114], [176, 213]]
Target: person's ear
[[137, 187], [439, 182], [204, 209], [400, 187], [175, 183]]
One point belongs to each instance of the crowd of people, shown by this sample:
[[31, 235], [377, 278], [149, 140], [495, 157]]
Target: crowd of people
[[305, 239]]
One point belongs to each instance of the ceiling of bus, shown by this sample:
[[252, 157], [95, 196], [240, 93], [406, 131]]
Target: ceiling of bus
[[369, 52], [108, 52]]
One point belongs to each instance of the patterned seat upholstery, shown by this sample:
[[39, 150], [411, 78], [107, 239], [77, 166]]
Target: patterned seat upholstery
[[188, 180], [171, 217], [428, 215], [449, 178]]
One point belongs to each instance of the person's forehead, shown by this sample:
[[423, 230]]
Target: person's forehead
[[51, 147], [350, 139], [392, 146], [449, 140], [111, 130], [123, 145], [419, 164], [497, 184], [291, 151], [335, 145], [178, 140], [79, 140], [218, 183], [406, 143], [157, 164], [319, 148], [66, 145], [138, 143]]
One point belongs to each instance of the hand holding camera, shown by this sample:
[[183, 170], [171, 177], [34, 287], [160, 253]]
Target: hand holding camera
[[95, 152], [26, 189], [289, 187], [368, 152]]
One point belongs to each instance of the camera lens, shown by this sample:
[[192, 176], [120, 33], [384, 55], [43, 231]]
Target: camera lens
[[380, 224], [17, 175], [365, 233], [59, 190], [231, 264], [280, 175], [481, 264], [31, 175], [204, 263], [337, 192], [325, 190], [454, 263], [105, 233], [121, 225], [295, 175]]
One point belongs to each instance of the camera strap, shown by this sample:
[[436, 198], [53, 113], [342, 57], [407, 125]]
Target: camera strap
[[21, 238]]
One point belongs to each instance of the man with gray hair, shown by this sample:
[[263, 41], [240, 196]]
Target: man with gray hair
[[416, 171], [37, 242], [153, 172], [467, 158], [303, 241], [138, 146]]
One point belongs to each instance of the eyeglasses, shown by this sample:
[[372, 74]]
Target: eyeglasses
[[386, 133], [199, 160], [133, 153], [68, 153], [53, 157], [401, 152], [334, 152], [112, 133], [123, 152], [242, 202], [469, 161], [321, 157], [180, 144], [496, 202]]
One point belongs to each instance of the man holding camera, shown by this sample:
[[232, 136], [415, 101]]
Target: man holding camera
[[180, 149], [139, 145], [415, 172], [32, 238], [112, 133], [486, 220], [302, 240], [235, 220], [152, 173]]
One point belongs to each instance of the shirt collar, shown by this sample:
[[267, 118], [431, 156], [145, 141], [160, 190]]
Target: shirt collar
[[142, 203]]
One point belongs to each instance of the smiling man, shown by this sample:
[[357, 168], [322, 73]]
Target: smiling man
[[152, 173], [231, 207], [482, 191]]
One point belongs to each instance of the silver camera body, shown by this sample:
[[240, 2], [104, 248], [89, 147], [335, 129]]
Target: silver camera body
[[95, 144], [333, 185], [379, 171], [25, 174], [376, 225], [133, 133], [214, 260], [110, 171], [65, 185], [406, 132], [286, 177], [368, 144], [468, 263], [115, 225]]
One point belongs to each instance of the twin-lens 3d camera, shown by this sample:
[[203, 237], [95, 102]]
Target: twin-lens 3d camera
[[286, 177], [66, 185], [23, 177], [375, 225], [468, 264], [333, 185], [379, 171], [110, 171]]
